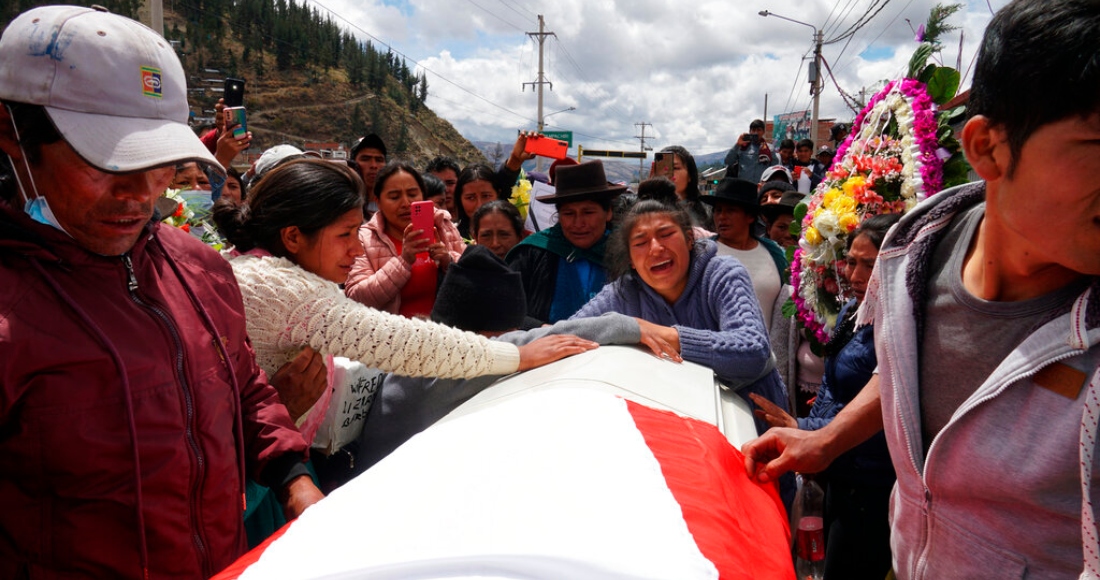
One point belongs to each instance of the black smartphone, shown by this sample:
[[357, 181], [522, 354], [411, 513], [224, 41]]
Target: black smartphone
[[234, 92]]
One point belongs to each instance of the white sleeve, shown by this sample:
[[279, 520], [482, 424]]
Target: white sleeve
[[291, 308]]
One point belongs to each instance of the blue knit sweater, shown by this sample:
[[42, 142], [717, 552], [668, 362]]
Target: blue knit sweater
[[717, 316]]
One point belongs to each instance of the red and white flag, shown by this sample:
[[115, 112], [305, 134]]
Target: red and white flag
[[558, 483]]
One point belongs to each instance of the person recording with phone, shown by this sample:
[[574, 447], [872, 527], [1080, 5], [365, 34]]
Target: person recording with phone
[[751, 155], [677, 164], [401, 266]]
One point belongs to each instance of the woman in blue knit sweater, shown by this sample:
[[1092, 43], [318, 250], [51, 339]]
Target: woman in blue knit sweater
[[661, 275]]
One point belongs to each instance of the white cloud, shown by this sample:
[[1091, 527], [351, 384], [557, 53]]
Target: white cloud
[[698, 71]]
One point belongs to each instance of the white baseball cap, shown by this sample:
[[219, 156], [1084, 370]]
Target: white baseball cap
[[771, 171], [272, 156], [113, 88]]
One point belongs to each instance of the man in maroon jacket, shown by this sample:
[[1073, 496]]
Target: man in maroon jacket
[[131, 408]]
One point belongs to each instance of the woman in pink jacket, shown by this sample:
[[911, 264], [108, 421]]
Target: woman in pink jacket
[[390, 276]]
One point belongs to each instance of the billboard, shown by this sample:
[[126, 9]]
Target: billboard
[[794, 126]]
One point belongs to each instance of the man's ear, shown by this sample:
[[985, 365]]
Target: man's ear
[[292, 239], [986, 147], [8, 142]]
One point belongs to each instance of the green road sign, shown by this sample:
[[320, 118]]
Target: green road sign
[[566, 136]]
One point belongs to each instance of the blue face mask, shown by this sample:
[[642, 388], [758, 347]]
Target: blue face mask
[[37, 207], [39, 210]]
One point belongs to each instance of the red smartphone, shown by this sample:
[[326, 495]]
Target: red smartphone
[[423, 218], [546, 147], [235, 118]]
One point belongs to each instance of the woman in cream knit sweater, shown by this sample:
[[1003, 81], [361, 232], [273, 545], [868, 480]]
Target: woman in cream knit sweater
[[296, 240]]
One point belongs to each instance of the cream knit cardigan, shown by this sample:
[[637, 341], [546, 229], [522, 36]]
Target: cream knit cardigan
[[288, 308]]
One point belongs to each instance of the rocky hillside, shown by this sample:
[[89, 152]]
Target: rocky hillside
[[298, 104]]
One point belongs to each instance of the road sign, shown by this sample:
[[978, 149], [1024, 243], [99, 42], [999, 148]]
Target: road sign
[[566, 136], [581, 152]]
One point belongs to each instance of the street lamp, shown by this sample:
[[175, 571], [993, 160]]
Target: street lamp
[[542, 121], [815, 72]]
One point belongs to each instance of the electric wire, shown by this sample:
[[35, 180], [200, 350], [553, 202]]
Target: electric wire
[[512, 8], [827, 28], [876, 6], [522, 7], [495, 15]]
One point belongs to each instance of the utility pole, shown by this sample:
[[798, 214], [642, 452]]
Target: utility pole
[[641, 162], [541, 79], [151, 13], [816, 87], [815, 70]]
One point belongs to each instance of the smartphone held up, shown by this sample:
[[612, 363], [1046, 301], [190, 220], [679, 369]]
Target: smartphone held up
[[546, 147], [664, 163], [423, 219], [233, 94], [235, 121]]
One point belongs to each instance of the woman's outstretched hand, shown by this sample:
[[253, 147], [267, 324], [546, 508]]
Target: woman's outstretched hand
[[552, 348], [664, 341]]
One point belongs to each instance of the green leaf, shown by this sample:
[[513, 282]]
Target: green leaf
[[926, 74], [956, 171], [943, 85], [920, 56], [789, 309], [950, 115], [800, 212], [891, 127], [789, 252]]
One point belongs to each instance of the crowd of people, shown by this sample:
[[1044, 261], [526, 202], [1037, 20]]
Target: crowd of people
[[158, 399]]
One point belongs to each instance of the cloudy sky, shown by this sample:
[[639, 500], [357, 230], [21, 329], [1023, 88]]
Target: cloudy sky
[[697, 70]]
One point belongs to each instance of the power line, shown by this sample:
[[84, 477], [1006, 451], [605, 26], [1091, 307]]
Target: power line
[[844, 12], [848, 99], [875, 39], [876, 6], [794, 87], [495, 15], [510, 7], [522, 7]]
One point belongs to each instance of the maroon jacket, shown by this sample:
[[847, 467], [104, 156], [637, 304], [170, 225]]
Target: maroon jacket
[[95, 358]]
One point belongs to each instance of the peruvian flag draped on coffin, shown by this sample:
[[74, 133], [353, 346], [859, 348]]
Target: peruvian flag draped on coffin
[[557, 483]]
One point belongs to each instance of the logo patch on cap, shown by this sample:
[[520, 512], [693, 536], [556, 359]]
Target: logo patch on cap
[[150, 82]]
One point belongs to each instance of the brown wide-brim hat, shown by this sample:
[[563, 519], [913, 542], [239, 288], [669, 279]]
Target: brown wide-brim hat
[[736, 191], [582, 182]]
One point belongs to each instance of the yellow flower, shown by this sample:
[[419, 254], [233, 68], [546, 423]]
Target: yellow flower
[[853, 185], [830, 198], [812, 236], [521, 196], [844, 205], [849, 221]]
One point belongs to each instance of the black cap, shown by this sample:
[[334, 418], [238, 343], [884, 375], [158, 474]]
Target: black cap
[[481, 294], [373, 141]]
